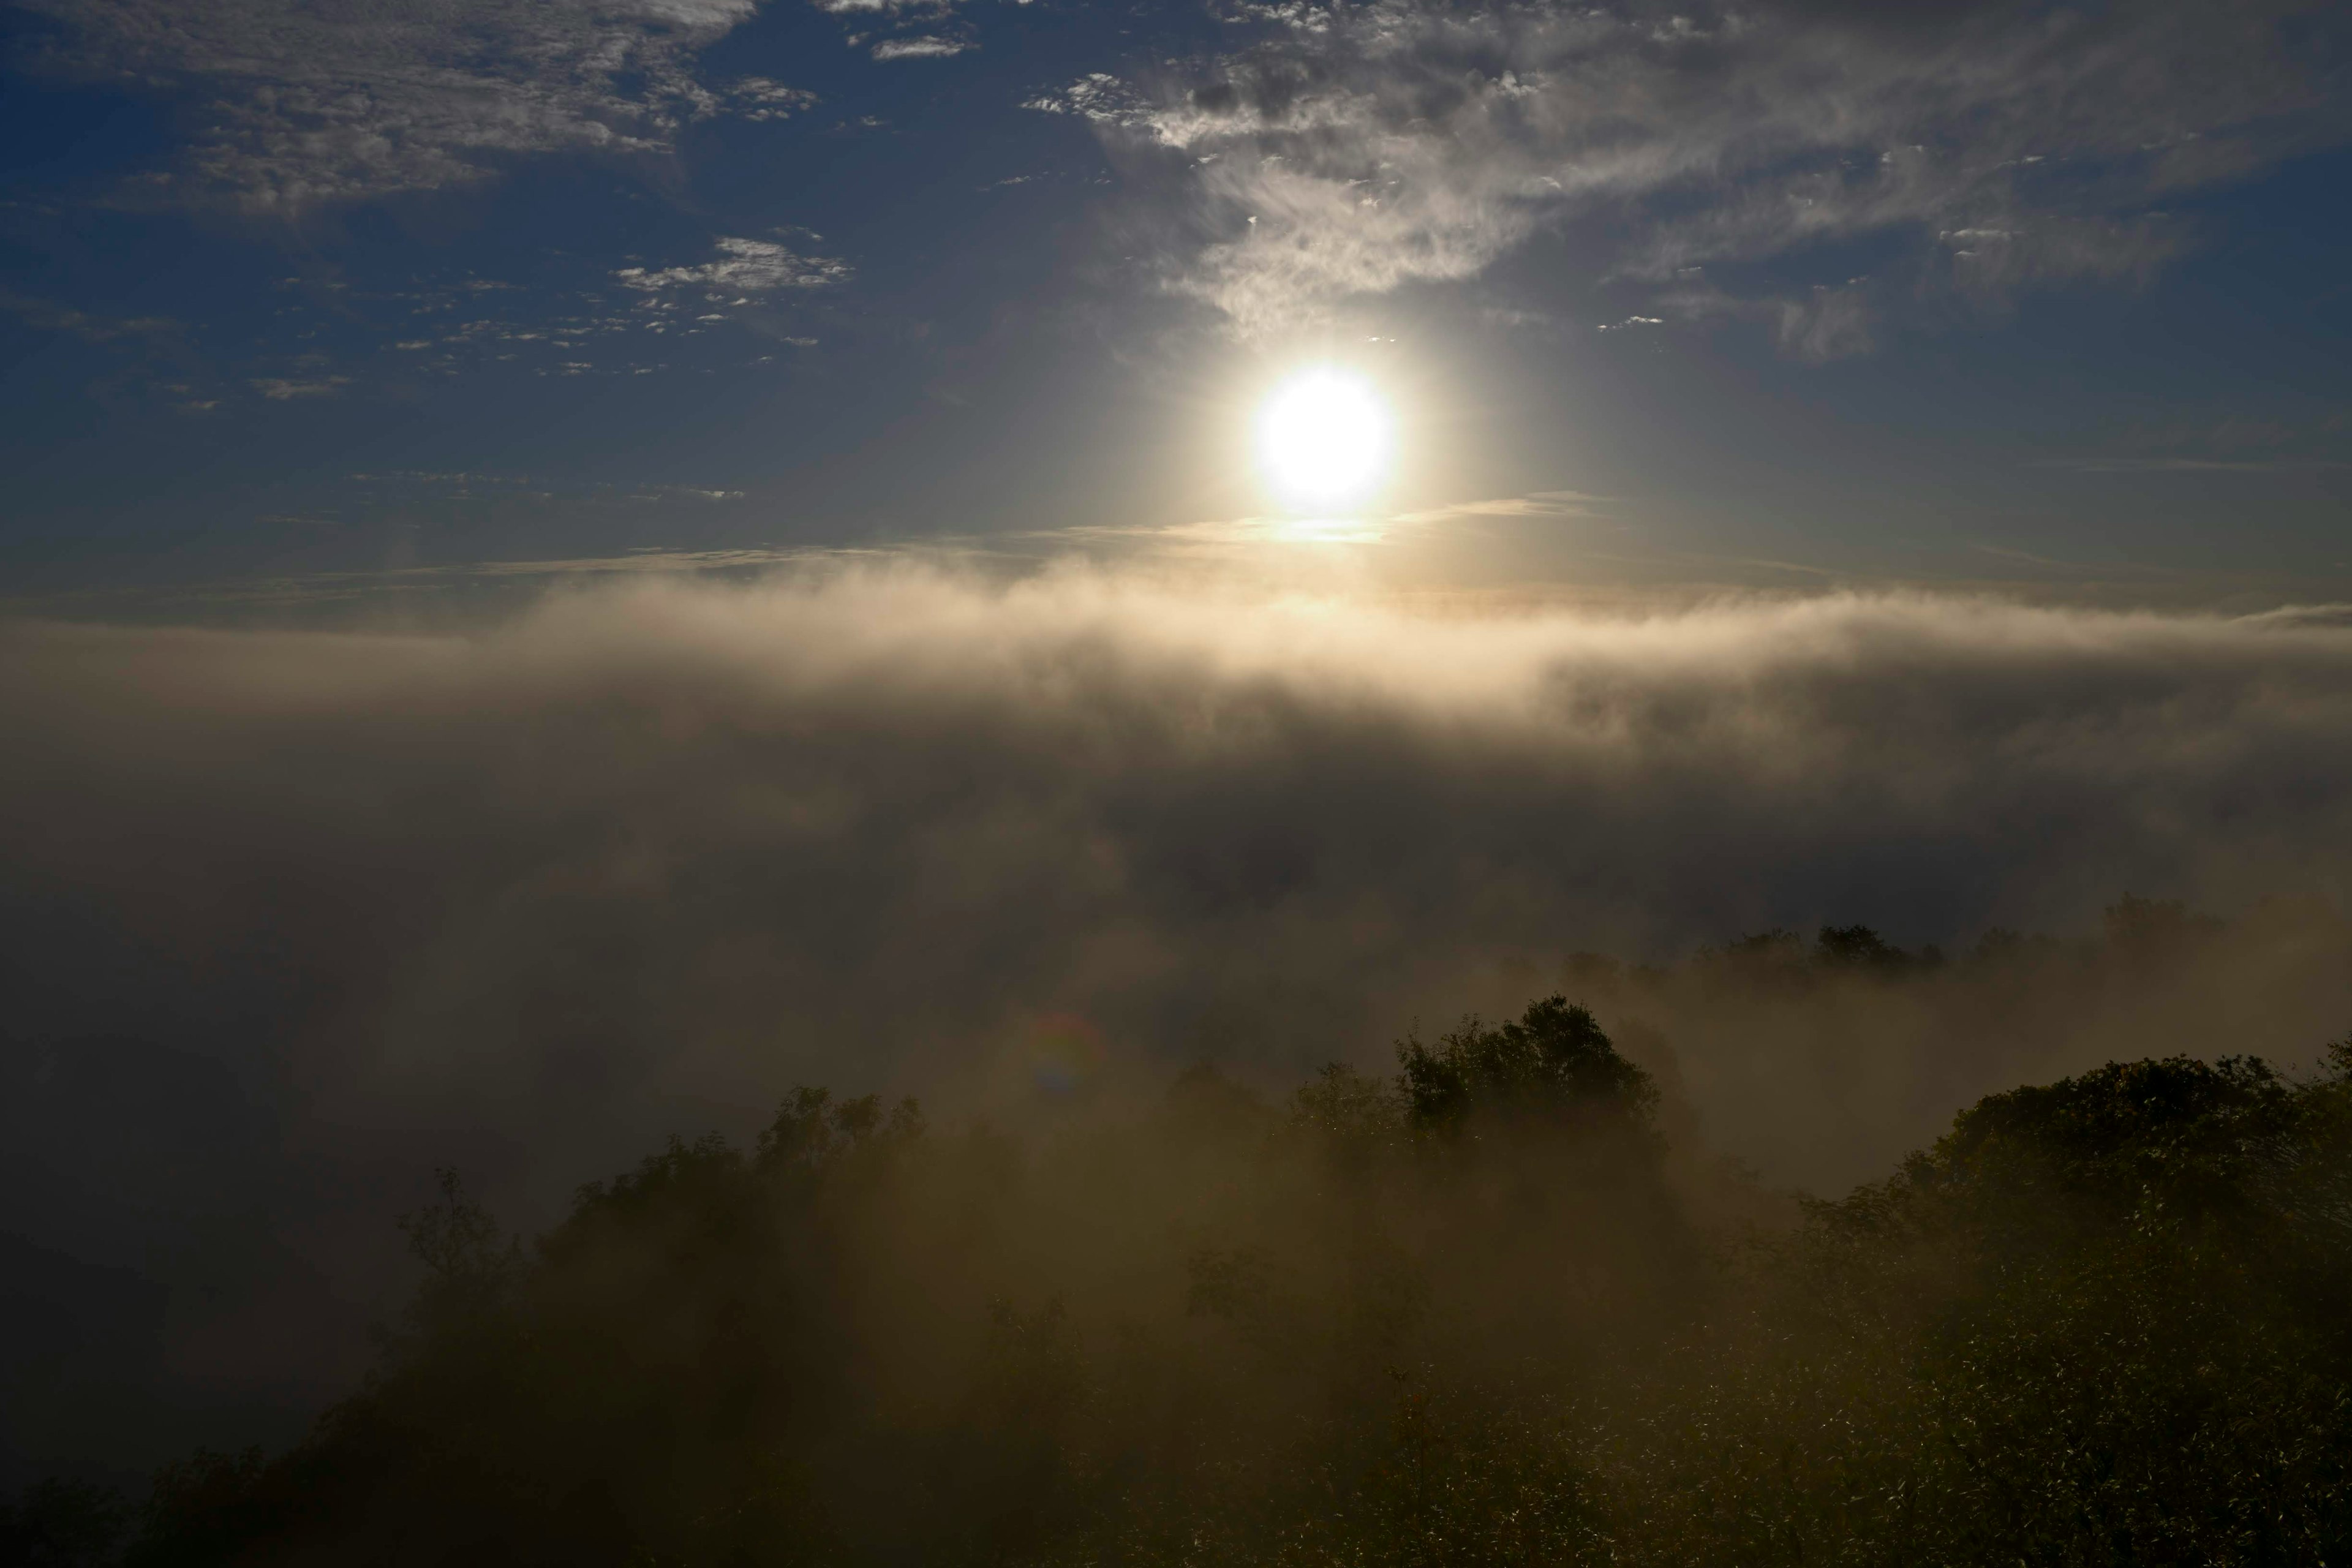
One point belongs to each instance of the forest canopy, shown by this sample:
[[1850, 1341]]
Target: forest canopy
[[1482, 1310]]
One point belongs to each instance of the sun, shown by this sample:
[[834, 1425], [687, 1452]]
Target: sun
[[1323, 440]]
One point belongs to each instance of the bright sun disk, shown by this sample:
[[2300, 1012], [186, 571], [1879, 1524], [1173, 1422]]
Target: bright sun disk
[[1323, 437]]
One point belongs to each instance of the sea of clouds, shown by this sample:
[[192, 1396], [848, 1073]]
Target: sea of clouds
[[290, 918]]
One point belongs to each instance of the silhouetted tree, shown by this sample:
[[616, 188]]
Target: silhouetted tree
[[1554, 1059], [61, 1523], [1457, 1316]]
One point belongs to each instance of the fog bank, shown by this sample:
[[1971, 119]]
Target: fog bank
[[289, 917]]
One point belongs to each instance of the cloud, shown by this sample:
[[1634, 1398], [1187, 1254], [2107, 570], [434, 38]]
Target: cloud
[[2193, 465], [744, 269], [48, 316], [526, 898], [758, 99], [1352, 151], [283, 389], [900, 13], [1832, 324], [1098, 96], [919, 48], [310, 100], [773, 802]]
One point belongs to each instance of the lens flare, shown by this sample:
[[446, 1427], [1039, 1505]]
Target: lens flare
[[1066, 1053], [1323, 438]]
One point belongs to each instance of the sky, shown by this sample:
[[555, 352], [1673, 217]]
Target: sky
[[567, 567], [1767, 296]]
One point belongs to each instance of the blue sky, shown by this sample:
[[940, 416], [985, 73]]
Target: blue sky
[[1783, 294]]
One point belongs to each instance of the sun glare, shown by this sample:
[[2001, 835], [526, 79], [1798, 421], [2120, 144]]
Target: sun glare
[[1323, 440]]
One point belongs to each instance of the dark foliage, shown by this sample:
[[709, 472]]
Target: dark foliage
[[1554, 1061], [61, 1523], [1466, 1316]]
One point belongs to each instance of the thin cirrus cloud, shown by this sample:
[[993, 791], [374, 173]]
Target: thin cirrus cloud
[[290, 389], [924, 47], [744, 268], [1355, 150], [342, 99]]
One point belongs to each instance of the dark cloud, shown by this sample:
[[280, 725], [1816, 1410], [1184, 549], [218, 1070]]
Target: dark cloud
[[291, 917]]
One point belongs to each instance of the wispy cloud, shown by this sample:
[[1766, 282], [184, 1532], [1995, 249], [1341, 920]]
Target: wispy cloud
[[306, 100], [466, 486], [928, 46], [2193, 465], [1542, 503], [1354, 150], [743, 269], [758, 99], [49, 316], [285, 389]]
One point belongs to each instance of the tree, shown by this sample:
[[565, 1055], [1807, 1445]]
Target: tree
[[59, 1523], [1555, 1060]]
